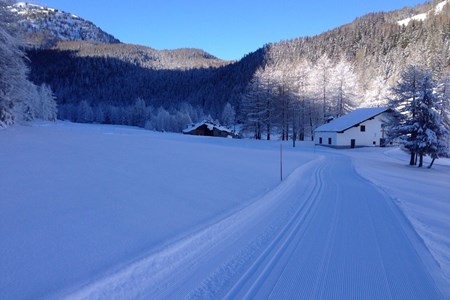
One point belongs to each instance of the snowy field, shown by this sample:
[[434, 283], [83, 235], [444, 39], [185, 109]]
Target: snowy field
[[89, 211]]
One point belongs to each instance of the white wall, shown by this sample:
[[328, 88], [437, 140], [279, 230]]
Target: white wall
[[325, 136], [367, 138]]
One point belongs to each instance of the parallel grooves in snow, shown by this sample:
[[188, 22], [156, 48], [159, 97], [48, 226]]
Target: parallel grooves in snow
[[161, 276], [380, 259], [277, 247], [352, 246], [324, 233]]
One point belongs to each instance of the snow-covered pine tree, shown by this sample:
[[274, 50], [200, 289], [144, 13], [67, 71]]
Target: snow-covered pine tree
[[435, 138], [431, 132], [405, 101], [419, 124]]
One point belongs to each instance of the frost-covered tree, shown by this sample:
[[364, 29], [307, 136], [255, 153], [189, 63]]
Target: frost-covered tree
[[377, 94], [13, 80], [85, 114], [99, 115], [47, 109], [28, 108], [406, 94], [443, 92], [228, 115], [180, 121], [283, 103], [252, 109], [346, 88], [163, 120], [443, 99], [430, 130], [258, 105], [195, 113], [302, 111], [419, 124], [20, 100], [321, 80], [139, 113]]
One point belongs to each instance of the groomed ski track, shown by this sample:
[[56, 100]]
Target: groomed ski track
[[323, 233]]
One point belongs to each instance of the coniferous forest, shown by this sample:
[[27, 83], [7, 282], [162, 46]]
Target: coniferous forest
[[286, 88]]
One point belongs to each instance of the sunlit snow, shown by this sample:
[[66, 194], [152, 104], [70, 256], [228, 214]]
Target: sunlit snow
[[422, 17], [101, 212]]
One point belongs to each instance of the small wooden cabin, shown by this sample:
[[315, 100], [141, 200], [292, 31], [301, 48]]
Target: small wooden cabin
[[208, 128]]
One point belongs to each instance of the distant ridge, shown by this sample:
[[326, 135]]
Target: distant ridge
[[45, 26], [49, 28]]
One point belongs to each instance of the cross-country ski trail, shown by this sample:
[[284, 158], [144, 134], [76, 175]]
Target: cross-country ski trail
[[323, 233]]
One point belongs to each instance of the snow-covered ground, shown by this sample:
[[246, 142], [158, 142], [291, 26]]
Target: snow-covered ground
[[89, 211], [422, 194]]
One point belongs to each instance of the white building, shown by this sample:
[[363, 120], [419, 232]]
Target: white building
[[360, 128]]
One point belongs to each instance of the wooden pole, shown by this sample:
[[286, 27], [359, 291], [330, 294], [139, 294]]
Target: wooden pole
[[281, 162]]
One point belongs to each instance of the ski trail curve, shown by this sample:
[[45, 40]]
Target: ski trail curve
[[324, 233], [176, 270], [356, 246]]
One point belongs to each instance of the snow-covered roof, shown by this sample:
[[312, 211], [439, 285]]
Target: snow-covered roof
[[354, 118], [211, 126]]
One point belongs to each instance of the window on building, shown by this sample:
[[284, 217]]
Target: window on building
[[320, 140], [363, 128], [329, 141], [374, 142]]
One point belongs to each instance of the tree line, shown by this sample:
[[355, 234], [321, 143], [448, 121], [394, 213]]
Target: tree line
[[293, 100], [20, 99]]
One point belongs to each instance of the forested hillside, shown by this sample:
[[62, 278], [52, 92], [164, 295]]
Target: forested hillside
[[289, 87], [43, 26], [116, 77]]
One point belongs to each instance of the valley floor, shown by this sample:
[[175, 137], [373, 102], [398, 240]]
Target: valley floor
[[108, 225]]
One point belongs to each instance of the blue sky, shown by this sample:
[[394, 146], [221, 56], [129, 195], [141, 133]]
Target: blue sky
[[228, 29]]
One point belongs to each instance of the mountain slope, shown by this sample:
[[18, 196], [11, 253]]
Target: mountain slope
[[423, 16], [376, 46], [49, 28], [45, 26]]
